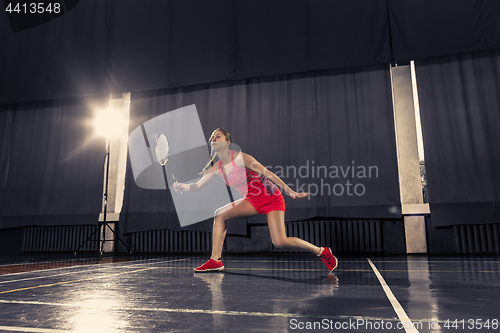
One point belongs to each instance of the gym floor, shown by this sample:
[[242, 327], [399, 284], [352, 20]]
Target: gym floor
[[256, 293]]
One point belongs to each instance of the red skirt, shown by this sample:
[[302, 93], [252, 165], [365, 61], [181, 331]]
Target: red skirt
[[267, 203]]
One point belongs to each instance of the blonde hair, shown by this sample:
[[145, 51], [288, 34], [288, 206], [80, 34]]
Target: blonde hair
[[213, 154]]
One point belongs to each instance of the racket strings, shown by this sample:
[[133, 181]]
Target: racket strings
[[162, 149]]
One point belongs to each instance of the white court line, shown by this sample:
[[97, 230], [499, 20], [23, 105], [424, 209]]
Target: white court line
[[30, 329], [41, 262], [84, 279], [133, 262], [286, 261], [433, 261], [38, 277], [56, 261], [430, 261], [403, 317], [201, 311], [82, 271], [41, 270], [79, 272], [249, 260]]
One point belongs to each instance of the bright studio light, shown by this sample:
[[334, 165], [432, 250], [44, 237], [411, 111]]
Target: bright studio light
[[108, 123]]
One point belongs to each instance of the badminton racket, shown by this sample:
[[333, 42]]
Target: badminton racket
[[162, 152]]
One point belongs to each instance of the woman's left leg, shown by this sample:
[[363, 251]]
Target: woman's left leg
[[276, 223]]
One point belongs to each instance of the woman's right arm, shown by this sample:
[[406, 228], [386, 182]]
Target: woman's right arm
[[195, 187]]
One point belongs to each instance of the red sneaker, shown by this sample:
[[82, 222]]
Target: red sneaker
[[328, 258], [210, 266]]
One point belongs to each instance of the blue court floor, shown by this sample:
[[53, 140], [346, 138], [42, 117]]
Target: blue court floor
[[256, 293]]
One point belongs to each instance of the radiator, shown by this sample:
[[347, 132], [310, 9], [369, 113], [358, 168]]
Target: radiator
[[340, 235], [172, 241], [349, 235], [60, 238], [477, 238]]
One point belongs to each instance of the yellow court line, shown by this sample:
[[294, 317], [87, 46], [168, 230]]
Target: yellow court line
[[357, 270], [241, 269], [74, 281], [337, 270]]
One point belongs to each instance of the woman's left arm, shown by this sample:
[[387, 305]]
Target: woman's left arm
[[253, 164]]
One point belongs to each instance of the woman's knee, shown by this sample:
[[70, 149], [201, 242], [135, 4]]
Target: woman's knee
[[280, 242], [220, 216]]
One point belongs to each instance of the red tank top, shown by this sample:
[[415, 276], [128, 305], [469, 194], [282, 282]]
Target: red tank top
[[246, 181]]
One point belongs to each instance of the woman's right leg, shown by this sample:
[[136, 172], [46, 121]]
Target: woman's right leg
[[239, 209]]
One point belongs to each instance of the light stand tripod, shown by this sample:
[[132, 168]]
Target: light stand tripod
[[104, 224]]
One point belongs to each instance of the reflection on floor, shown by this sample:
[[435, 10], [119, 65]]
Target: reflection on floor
[[267, 293]]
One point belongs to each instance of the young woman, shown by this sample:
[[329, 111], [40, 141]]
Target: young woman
[[261, 196]]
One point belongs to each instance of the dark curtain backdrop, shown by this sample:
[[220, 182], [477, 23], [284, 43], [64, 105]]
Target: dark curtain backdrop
[[51, 165], [339, 118], [106, 46], [460, 111], [431, 28], [111, 46]]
